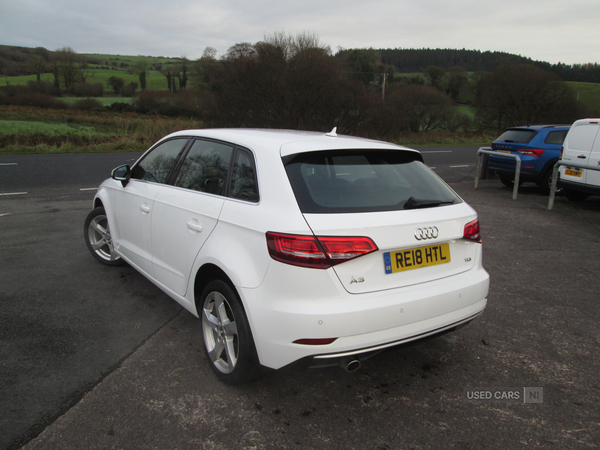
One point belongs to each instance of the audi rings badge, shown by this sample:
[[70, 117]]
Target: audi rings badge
[[422, 234]]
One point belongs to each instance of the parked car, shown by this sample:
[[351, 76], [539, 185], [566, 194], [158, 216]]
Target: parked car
[[294, 245], [538, 146], [581, 145]]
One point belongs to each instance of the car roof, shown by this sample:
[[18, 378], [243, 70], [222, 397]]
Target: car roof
[[287, 142], [539, 127]]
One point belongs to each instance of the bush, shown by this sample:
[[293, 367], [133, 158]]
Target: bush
[[87, 90], [129, 90], [183, 103], [121, 107], [43, 87], [89, 104], [33, 99]]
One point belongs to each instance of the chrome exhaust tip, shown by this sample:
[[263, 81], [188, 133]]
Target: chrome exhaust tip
[[350, 364]]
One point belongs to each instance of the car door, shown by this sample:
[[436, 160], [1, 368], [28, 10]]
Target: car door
[[578, 148], [186, 213], [133, 204], [593, 176]]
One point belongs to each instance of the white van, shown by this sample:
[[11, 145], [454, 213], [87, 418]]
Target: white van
[[581, 145]]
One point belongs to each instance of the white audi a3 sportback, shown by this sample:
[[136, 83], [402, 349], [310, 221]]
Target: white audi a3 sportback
[[294, 245]]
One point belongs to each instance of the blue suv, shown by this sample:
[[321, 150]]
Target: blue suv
[[539, 148]]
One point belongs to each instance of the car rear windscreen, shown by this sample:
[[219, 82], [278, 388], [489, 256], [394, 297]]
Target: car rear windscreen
[[344, 181], [520, 136]]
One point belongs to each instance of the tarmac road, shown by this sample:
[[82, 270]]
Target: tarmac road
[[94, 357]]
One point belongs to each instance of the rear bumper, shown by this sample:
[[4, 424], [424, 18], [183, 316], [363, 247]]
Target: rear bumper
[[506, 170], [361, 323], [579, 187]]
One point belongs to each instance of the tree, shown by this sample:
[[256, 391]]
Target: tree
[[182, 72], [524, 95], [38, 65], [69, 66], [116, 83], [281, 82], [203, 70], [140, 68], [457, 78], [362, 64], [420, 108], [435, 75], [170, 72]]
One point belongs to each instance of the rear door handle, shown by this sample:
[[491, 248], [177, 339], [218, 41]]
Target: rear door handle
[[582, 157], [194, 226], [145, 208]]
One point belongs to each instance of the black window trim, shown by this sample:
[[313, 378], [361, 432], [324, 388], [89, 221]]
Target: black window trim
[[174, 172]]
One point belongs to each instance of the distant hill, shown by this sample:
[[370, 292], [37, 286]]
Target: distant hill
[[14, 61], [417, 60]]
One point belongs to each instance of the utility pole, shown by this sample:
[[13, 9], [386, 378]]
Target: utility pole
[[383, 87]]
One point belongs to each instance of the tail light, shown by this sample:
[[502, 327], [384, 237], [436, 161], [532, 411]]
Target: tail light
[[472, 231], [537, 152], [562, 149], [317, 252]]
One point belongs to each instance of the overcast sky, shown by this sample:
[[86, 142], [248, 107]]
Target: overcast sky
[[547, 30]]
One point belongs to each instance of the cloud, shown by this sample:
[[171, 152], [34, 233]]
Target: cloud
[[552, 30]]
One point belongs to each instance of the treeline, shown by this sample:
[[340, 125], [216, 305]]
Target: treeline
[[417, 60], [16, 61], [296, 82]]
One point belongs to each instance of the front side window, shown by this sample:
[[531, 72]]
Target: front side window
[[364, 181], [159, 162], [205, 167]]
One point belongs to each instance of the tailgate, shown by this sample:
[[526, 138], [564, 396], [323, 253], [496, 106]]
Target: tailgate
[[402, 259]]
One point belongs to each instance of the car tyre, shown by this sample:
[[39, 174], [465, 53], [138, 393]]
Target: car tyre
[[96, 232], [576, 196], [545, 183], [228, 342], [507, 182]]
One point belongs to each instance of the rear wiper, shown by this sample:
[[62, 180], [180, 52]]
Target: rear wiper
[[414, 203]]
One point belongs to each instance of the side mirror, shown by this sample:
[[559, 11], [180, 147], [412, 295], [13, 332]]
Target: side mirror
[[122, 174]]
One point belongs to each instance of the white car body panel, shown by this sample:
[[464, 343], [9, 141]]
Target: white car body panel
[[582, 145], [183, 220], [293, 305], [133, 205]]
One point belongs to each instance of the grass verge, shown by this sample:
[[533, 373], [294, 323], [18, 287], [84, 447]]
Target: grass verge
[[31, 130]]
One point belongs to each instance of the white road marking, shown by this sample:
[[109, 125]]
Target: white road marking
[[88, 189], [438, 151], [8, 164], [14, 193], [453, 167], [6, 214]]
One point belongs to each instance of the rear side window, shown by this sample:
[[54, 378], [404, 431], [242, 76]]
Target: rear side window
[[243, 177], [556, 137], [364, 181], [521, 136]]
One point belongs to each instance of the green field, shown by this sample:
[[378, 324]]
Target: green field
[[588, 94], [51, 129], [154, 80]]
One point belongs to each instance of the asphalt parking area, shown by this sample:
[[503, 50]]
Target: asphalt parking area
[[539, 331]]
